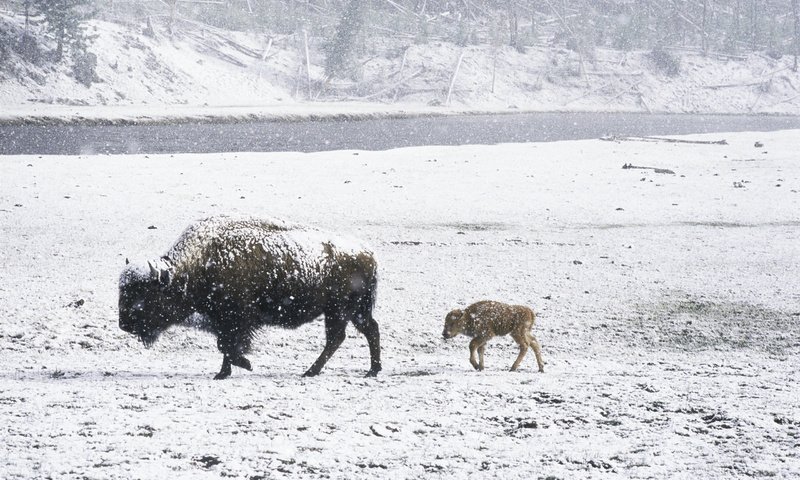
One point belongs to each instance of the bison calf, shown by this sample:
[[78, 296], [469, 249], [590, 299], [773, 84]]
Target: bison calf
[[487, 319], [231, 277]]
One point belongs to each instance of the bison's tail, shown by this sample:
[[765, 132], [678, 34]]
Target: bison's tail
[[370, 295], [363, 299]]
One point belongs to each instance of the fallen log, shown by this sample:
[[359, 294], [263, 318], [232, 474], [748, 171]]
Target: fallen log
[[628, 166], [614, 138]]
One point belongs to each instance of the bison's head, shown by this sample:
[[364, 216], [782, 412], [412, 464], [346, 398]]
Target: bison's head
[[454, 323], [149, 301]]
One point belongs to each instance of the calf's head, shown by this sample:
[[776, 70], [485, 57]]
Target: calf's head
[[453, 323], [148, 301]]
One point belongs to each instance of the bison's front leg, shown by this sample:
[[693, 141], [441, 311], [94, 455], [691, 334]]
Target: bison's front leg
[[227, 361], [335, 326], [232, 347], [225, 371]]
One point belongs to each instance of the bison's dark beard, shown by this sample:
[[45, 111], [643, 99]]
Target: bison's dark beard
[[149, 338]]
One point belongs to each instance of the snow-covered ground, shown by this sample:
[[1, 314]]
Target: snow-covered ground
[[669, 315], [204, 72]]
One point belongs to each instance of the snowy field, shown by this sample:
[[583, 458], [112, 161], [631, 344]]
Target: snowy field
[[669, 315]]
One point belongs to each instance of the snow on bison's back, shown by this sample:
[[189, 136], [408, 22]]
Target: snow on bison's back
[[240, 274]]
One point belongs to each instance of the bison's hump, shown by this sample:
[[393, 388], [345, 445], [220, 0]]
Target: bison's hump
[[233, 239], [224, 226]]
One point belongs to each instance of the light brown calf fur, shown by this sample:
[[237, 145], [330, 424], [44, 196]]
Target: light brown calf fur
[[486, 319]]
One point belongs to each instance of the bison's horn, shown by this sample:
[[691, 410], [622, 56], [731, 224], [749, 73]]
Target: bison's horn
[[161, 271]]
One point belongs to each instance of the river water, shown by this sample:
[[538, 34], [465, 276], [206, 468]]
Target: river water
[[372, 134]]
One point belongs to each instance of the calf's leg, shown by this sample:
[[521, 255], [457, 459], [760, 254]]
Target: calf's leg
[[474, 345], [537, 350], [523, 349]]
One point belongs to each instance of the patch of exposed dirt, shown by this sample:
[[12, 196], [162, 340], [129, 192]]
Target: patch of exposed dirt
[[689, 324]]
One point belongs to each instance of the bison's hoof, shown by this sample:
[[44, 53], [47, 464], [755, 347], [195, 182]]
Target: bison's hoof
[[310, 373], [222, 375], [372, 373]]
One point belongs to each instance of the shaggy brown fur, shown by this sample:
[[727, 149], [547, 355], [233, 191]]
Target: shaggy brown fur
[[232, 276], [486, 319]]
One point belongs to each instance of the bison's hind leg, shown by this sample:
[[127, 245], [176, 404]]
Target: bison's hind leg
[[369, 328], [335, 327]]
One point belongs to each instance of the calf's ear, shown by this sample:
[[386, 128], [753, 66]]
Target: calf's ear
[[127, 262], [455, 314]]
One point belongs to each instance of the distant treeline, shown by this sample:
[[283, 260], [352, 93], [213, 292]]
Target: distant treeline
[[731, 27]]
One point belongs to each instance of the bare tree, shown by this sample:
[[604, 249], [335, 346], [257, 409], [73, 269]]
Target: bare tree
[[704, 28], [340, 50], [796, 15], [736, 34], [754, 24], [513, 23], [173, 7]]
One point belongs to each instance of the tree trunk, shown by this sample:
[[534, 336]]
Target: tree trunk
[[513, 25], [60, 43], [61, 32], [703, 28], [737, 27], [754, 25], [796, 14], [173, 6]]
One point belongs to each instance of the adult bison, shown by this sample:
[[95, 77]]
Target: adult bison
[[232, 276]]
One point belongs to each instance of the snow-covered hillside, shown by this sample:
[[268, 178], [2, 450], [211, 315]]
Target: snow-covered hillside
[[669, 315], [199, 70]]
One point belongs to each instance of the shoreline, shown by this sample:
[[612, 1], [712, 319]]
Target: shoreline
[[316, 112]]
